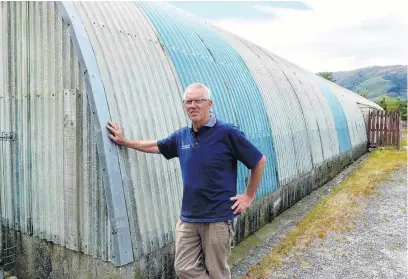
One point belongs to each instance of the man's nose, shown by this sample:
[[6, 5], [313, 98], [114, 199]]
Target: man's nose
[[193, 103]]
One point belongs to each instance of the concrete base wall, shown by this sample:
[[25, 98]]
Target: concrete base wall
[[38, 258]]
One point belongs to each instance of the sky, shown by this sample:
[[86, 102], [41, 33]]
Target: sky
[[331, 35]]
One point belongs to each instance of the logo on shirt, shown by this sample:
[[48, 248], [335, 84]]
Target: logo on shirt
[[185, 146]]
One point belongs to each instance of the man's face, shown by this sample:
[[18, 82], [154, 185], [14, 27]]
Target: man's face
[[198, 109]]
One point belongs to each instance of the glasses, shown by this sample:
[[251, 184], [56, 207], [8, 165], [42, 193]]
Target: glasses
[[197, 101]]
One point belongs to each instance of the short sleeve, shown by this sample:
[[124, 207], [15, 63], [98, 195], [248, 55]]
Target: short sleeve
[[243, 149], [168, 146]]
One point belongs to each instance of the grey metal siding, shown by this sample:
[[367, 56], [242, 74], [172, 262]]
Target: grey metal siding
[[53, 184], [51, 176], [145, 97]]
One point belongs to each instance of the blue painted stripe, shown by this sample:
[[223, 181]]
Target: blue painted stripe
[[115, 198], [200, 54], [339, 116]]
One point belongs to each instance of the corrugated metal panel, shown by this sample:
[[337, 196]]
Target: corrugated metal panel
[[363, 105], [360, 105], [145, 97], [283, 109], [199, 54], [322, 110], [5, 119], [336, 111], [56, 187], [350, 95], [338, 115], [108, 151], [327, 128], [359, 99], [313, 119], [51, 176], [350, 101], [355, 119]]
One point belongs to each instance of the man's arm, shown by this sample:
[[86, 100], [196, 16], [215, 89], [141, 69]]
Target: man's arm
[[245, 200], [255, 179], [147, 146]]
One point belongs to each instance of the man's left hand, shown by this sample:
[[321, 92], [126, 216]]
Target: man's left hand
[[242, 202]]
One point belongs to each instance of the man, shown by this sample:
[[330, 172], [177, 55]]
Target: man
[[208, 152]]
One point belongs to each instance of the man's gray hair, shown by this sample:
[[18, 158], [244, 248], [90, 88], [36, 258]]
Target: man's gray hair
[[196, 86]]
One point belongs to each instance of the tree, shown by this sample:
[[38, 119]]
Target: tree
[[402, 108], [382, 103], [394, 104], [327, 75], [364, 93]]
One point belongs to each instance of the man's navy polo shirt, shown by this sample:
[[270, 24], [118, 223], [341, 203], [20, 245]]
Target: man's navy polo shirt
[[208, 163]]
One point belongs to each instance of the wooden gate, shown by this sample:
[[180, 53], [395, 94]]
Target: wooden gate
[[384, 128]]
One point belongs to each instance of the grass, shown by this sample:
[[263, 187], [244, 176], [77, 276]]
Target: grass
[[335, 211]]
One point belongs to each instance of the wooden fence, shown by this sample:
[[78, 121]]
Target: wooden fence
[[384, 128]]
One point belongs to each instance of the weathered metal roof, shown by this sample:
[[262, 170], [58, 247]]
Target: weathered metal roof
[[68, 68]]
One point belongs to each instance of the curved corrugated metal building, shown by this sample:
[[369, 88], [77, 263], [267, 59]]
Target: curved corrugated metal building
[[69, 67]]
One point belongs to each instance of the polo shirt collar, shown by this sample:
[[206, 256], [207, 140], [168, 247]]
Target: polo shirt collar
[[211, 122]]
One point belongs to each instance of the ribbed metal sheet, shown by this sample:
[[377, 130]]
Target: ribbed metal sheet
[[327, 115], [355, 119], [338, 115], [335, 108], [145, 97], [314, 120], [328, 131], [199, 54], [5, 121], [53, 187], [349, 103], [285, 114], [51, 178]]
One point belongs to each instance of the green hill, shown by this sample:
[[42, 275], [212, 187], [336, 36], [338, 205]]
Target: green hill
[[379, 81]]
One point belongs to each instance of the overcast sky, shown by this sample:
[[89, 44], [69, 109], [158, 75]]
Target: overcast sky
[[317, 35]]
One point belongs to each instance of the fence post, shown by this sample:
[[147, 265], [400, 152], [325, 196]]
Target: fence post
[[383, 116], [393, 129], [376, 128], [387, 121], [398, 131], [385, 138], [369, 129], [381, 138]]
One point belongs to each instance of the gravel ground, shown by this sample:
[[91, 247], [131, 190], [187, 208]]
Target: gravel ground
[[375, 248], [282, 224]]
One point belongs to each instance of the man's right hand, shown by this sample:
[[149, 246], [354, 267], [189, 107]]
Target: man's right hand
[[117, 134]]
